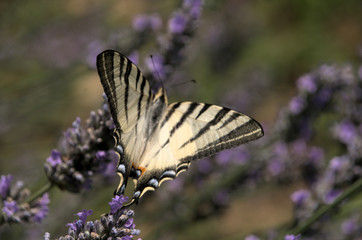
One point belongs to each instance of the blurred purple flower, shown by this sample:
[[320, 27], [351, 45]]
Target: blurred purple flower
[[328, 73], [307, 83], [175, 185], [101, 155], [345, 131], [42, 208], [252, 237], [10, 208], [143, 23], [177, 24], [299, 147], [221, 198], [140, 23], [156, 65], [298, 197], [117, 203], [93, 49], [276, 166], [133, 57], [338, 163], [55, 158], [194, 6], [205, 165], [5, 182], [109, 167], [332, 195], [292, 237], [316, 154], [350, 226], [296, 105]]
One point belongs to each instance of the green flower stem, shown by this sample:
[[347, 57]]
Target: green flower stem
[[33, 197], [40, 192], [354, 188]]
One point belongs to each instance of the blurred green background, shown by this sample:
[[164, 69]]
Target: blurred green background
[[45, 83]]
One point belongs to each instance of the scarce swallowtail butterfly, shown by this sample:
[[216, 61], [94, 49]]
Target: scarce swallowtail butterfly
[[155, 140]]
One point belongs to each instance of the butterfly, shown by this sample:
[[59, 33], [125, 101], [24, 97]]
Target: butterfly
[[156, 141]]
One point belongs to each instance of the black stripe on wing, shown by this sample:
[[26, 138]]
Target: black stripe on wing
[[183, 118], [231, 118], [169, 113], [143, 84], [105, 65], [218, 117], [246, 132], [126, 82], [203, 109]]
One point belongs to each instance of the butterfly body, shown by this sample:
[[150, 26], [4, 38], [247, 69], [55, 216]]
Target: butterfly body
[[156, 140]]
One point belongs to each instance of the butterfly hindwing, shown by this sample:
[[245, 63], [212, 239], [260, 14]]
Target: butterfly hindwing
[[189, 131]]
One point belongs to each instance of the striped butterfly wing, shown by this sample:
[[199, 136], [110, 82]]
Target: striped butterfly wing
[[189, 131], [157, 141], [129, 96]]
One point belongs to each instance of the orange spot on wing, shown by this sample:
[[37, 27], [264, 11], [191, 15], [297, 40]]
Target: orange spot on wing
[[142, 169]]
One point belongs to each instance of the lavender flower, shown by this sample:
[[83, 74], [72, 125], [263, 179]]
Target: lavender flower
[[142, 23], [300, 196], [292, 237], [83, 152], [5, 185], [117, 224], [16, 209], [351, 227], [177, 23], [252, 237], [306, 83]]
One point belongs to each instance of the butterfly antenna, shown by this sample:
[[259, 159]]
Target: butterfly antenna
[[156, 70], [182, 83]]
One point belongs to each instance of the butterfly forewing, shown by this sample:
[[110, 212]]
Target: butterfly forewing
[[157, 141], [128, 92], [129, 96]]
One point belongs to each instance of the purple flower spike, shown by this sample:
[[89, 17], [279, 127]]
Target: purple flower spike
[[117, 203], [298, 197], [292, 237], [195, 7], [156, 65], [177, 24], [143, 23], [5, 185], [55, 158], [332, 195], [140, 23], [252, 237], [205, 166], [10, 208], [84, 214], [349, 226], [129, 223], [101, 155], [296, 105], [307, 83], [345, 131], [42, 208]]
